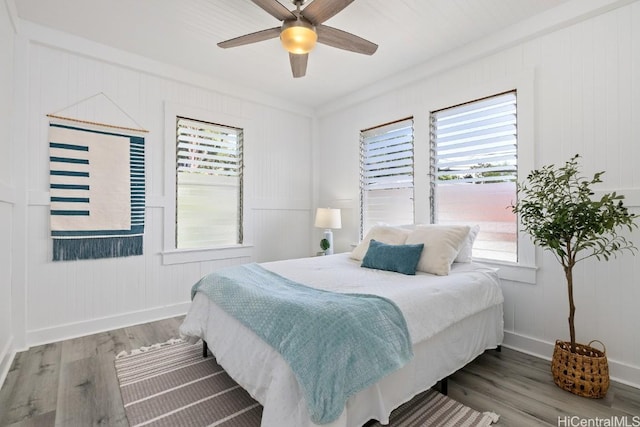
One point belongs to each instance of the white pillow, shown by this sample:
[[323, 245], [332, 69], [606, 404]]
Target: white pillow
[[467, 246], [381, 233], [441, 246]]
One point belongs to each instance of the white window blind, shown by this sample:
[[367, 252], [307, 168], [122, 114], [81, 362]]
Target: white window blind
[[474, 171], [386, 175], [209, 184]]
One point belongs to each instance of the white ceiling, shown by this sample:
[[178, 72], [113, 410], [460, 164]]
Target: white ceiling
[[185, 33]]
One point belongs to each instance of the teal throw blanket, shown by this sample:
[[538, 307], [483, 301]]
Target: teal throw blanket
[[336, 344]]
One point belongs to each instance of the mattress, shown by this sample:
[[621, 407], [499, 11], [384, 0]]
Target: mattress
[[451, 320]]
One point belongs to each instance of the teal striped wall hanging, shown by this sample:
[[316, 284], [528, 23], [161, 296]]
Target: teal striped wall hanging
[[97, 190]]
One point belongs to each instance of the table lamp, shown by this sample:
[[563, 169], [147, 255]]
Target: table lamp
[[328, 218]]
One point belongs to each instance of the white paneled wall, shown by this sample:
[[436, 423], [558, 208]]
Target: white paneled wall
[[77, 297], [584, 84], [7, 197], [586, 99]]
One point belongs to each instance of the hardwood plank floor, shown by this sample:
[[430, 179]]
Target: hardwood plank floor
[[73, 383]]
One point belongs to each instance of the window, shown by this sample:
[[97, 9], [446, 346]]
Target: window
[[386, 175], [474, 171], [208, 184]]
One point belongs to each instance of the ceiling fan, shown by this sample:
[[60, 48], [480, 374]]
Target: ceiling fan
[[301, 29]]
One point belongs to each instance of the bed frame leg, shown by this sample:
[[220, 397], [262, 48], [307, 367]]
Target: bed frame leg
[[499, 349], [205, 349], [444, 385]]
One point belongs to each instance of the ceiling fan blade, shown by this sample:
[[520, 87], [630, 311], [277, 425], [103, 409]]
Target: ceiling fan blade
[[259, 36], [275, 9], [343, 40], [298, 64], [319, 11]]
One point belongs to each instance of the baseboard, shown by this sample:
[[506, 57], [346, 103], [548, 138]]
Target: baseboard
[[93, 326], [619, 371], [7, 355]]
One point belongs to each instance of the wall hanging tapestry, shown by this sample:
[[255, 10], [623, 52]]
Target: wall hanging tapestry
[[97, 189]]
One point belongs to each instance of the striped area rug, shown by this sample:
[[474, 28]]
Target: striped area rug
[[171, 384]]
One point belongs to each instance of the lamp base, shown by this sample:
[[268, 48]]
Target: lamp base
[[328, 234]]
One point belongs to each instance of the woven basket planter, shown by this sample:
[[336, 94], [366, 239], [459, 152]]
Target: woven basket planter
[[585, 372]]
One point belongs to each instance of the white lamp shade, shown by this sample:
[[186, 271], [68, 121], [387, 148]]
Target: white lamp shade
[[328, 218]]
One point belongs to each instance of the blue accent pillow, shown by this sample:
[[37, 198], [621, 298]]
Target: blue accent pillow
[[399, 258]]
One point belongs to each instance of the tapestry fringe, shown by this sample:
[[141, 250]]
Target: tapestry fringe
[[104, 247]]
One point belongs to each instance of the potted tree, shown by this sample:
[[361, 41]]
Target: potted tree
[[557, 209]]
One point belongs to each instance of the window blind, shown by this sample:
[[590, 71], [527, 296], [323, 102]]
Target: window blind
[[209, 184], [474, 171], [208, 149], [476, 142], [386, 174]]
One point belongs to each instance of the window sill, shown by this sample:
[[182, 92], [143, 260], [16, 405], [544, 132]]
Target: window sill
[[511, 271], [186, 256]]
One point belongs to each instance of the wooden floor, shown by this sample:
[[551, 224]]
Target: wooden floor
[[73, 383]]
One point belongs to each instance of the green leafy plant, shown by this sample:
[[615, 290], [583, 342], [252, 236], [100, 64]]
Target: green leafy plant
[[557, 210], [324, 244]]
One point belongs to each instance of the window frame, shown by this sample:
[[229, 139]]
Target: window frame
[[237, 186], [524, 84], [447, 153], [361, 159], [170, 254]]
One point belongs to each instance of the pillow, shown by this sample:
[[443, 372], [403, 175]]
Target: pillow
[[382, 233], [399, 258], [467, 246], [441, 246]]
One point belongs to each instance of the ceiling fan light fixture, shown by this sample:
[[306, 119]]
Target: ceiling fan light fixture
[[298, 36]]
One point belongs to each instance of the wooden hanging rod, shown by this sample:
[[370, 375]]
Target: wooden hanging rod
[[97, 123]]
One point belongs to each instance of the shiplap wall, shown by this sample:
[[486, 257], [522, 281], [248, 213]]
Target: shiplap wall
[[78, 297], [6, 189], [585, 80], [586, 95]]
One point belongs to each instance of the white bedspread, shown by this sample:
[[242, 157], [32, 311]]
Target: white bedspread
[[419, 297], [451, 320]]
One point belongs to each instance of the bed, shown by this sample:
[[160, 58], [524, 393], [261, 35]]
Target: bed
[[451, 319]]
